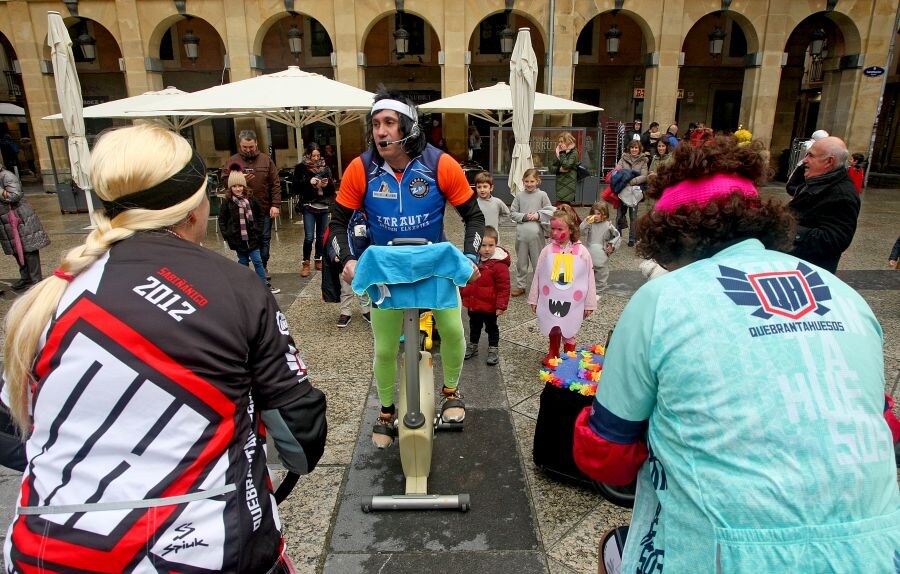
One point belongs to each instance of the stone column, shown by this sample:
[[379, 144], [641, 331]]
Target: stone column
[[661, 89], [760, 98], [346, 48], [564, 41], [238, 46], [661, 81], [137, 79], [28, 39], [454, 77], [864, 93]]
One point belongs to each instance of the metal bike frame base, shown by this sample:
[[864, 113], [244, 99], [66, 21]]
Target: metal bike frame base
[[414, 419], [418, 502]]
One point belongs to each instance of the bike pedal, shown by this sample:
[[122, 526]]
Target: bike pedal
[[441, 424]]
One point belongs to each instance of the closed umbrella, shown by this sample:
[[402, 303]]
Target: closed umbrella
[[523, 75], [68, 91]]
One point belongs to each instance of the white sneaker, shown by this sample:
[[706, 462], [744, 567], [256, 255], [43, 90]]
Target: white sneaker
[[274, 290]]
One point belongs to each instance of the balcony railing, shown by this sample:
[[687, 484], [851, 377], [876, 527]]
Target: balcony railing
[[13, 86]]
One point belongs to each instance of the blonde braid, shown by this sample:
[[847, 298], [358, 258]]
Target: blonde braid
[[30, 315]]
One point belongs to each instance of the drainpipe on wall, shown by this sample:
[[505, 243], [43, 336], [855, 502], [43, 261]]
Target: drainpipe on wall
[[548, 77]]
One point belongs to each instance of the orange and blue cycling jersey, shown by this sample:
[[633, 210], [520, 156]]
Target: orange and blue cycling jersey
[[405, 204]]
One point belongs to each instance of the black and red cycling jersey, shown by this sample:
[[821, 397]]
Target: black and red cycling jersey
[[147, 452]]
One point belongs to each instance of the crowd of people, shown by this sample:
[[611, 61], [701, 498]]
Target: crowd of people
[[746, 370]]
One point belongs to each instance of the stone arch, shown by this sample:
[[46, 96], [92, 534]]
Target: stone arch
[[819, 93], [315, 13], [376, 20], [102, 33], [488, 69], [276, 55], [719, 103], [591, 79], [845, 24], [151, 47], [422, 71]]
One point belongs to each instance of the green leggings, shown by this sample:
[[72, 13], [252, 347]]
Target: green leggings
[[387, 326]]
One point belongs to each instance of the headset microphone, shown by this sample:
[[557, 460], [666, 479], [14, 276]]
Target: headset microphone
[[384, 144]]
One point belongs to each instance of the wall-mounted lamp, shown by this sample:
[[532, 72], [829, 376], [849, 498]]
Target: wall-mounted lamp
[[716, 41], [612, 41], [613, 35], [507, 35], [401, 36], [191, 45], [295, 41], [817, 43], [87, 43], [507, 41]]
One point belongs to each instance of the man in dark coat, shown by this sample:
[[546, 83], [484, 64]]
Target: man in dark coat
[[826, 205], [649, 138], [633, 133], [262, 179]]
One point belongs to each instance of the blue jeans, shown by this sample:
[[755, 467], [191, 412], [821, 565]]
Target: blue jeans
[[245, 256], [266, 239], [314, 225]]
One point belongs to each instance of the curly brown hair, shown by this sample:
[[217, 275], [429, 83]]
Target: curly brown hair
[[717, 155], [692, 232]]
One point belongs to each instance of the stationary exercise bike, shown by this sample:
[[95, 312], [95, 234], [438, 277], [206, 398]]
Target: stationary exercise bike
[[416, 417]]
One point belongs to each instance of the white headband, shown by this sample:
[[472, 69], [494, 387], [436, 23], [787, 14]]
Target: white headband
[[398, 107]]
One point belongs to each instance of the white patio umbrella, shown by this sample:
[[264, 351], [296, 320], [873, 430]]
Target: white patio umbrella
[[494, 104], [125, 108], [68, 91], [12, 113], [291, 97], [523, 75]]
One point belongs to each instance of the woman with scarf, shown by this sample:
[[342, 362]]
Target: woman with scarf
[[315, 186], [21, 232]]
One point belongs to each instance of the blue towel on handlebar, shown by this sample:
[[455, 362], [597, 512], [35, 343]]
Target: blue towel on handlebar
[[412, 276]]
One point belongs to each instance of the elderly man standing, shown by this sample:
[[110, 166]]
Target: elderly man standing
[[262, 179], [826, 205]]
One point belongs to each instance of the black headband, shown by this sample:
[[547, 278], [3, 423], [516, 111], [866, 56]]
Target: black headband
[[172, 191]]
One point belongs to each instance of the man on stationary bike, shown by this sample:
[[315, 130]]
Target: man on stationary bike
[[403, 184]]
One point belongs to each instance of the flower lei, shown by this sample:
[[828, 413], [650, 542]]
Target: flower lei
[[588, 372]]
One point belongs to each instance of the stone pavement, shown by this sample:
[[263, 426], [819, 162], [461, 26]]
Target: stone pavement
[[521, 520]]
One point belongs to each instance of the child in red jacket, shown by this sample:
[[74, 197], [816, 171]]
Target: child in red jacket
[[487, 298], [857, 170]]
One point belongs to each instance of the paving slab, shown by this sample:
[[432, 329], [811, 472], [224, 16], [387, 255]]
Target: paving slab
[[481, 461], [523, 562]]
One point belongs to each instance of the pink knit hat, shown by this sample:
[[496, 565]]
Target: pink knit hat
[[702, 191]]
